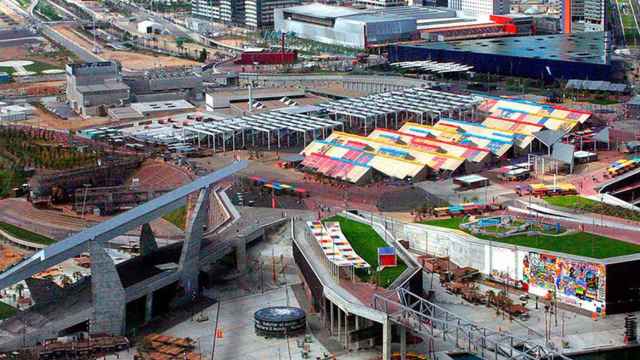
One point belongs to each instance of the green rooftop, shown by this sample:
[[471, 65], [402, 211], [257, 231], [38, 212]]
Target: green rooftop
[[365, 242]]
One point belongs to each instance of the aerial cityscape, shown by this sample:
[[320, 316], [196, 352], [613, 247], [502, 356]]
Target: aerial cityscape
[[319, 179]]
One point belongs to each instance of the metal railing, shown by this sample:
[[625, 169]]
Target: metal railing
[[434, 321]]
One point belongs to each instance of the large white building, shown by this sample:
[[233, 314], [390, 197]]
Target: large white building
[[359, 29], [481, 8]]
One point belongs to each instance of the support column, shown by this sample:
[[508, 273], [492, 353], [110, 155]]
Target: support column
[[386, 340], [339, 324], [189, 266], [403, 343], [148, 308], [346, 330], [148, 242], [108, 295], [357, 320], [241, 255], [331, 328], [371, 341]]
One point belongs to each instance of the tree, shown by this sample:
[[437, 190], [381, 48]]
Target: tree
[[179, 42], [19, 289], [203, 55]]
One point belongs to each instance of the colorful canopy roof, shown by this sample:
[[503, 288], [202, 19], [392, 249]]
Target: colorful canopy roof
[[335, 245]]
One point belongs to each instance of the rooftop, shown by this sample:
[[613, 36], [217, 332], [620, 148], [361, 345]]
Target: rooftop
[[162, 106], [318, 10], [107, 86], [586, 47]]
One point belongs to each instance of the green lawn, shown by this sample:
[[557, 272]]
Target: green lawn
[[178, 217], [6, 311], [365, 242], [580, 243], [25, 235], [451, 223], [36, 67], [602, 101], [592, 206], [569, 201]]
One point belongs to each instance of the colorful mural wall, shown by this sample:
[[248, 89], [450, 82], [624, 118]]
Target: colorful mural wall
[[575, 282]]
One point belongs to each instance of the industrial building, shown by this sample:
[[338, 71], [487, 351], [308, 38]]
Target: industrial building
[[15, 112], [149, 27], [94, 87], [360, 28], [562, 56], [141, 110], [357, 28], [165, 85]]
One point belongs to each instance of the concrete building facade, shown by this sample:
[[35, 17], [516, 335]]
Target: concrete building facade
[[94, 87], [481, 8], [583, 15], [165, 85], [253, 14], [260, 13]]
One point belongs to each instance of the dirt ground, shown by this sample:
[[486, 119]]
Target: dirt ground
[[231, 41], [48, 120], [10, 13], [9, 255], [129, 60], [11, 86]]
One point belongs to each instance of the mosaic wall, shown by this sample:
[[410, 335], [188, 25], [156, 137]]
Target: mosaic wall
[[582, 281]]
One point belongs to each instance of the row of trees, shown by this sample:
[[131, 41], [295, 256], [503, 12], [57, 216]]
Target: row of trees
[[21, 150]]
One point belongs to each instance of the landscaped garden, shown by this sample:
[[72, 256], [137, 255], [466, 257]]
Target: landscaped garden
[[22, 149], [365, 242], [37, 67], [575, 243]]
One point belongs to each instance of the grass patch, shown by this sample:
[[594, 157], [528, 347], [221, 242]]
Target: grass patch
[[451, 223], [570, 201], [6, 311], [601, 101], [580, 243], [10, 179], [591, 206], [178, 217], [365, 242], [24, 3], [46, 10], [36, 67], [25, 235]]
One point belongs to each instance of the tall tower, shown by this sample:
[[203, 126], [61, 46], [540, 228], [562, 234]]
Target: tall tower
[[567, 16]]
